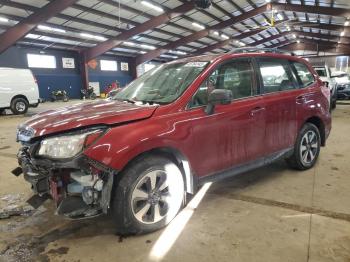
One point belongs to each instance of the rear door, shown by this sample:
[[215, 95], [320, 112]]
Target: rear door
[[280, 91], [232, 135]]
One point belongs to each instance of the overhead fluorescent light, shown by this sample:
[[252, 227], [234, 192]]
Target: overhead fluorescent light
[[242, 44], [280, 17], [152, 6], [294, 36], [3, 19], [96, 37], [52, 29], [298, 41], [224, 36], [129, 43], [147, 46], [347, 23], [86, 35], [268, 1], [342, 33], [177, 52], [198, 25], [32, 36], [101, 38], [215, 33], [169, 56]]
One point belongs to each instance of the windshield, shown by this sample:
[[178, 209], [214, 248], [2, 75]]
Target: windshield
[[321, 71], [163, 84]]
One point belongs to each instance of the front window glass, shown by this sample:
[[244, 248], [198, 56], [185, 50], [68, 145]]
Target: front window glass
[[237, 76], [275, 75], [163, 84]]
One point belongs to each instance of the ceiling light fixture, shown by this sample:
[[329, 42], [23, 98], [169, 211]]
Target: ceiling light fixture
[[268, 1], [342, 33], [224, 36], [298, 41], [215, 33], [294, 36], [96, 37], [147, 47], [129, 43], [152, 6], [52, 29], [3, 19], [347, 23], [280, 17], [198, 25], [177, 52]]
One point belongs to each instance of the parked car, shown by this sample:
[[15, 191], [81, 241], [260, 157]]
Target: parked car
[[176, 127], [18, 90], [325, 74], [343, 85]]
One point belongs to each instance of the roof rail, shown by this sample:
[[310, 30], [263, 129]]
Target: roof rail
[[260, 50]]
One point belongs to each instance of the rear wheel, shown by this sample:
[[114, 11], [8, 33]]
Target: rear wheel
[[148, 196], [334, 104], [307, 148], [19, 106]]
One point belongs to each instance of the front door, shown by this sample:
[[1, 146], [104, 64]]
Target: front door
[[232, 135]]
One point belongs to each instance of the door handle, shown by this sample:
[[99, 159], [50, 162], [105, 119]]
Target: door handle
[[300, 99], [256, 110]]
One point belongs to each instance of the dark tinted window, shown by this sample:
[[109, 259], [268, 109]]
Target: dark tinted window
[[237, 76], [305, 77], [276, 75]]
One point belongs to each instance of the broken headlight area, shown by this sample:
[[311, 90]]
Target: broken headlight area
[[80, 187]]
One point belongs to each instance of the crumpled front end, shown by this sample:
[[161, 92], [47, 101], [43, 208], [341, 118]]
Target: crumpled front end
[[79, 186]]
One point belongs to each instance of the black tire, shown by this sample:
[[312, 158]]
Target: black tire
[[334, 104], [297, 161], [2, 112], [129, 212], [19, 106]]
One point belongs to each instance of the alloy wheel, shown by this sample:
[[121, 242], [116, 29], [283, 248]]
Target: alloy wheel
[[20, 106], [157, 195], [309, 147]]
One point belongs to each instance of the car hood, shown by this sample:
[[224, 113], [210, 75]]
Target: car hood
[[103, 112]]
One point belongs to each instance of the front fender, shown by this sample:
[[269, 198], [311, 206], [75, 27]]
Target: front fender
[[123, 143]]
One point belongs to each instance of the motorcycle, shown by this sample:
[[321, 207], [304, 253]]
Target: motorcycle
[[88, 93], [59, 95]]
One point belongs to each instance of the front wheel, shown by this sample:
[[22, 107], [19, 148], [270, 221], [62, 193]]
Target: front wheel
[[307, 148], [19, 106], [148, 196]]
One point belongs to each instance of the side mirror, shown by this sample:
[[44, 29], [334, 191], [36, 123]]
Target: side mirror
[[326, 83], [216, 97]]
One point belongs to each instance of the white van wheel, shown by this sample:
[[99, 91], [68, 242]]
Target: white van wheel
[[19, 106]]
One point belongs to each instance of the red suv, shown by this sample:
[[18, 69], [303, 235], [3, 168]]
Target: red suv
[[177, 126]]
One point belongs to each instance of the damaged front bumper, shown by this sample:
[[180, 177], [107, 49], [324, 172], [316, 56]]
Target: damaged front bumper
[[80, 187]]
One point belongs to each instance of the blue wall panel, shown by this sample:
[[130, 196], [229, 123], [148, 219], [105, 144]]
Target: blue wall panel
[[62, 78], [51, 82]]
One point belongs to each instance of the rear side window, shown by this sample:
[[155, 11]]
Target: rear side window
[[305, 77], [276, 75]]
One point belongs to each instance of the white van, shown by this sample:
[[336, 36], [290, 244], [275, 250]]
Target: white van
[[18, 90]]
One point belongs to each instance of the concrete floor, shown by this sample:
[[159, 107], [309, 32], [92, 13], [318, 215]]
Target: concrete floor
[[272, 214]]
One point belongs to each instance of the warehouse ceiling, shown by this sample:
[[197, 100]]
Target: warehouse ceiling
[[170, 29]]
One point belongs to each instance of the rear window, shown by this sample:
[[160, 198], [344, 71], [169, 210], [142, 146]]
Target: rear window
[[305, 77]]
